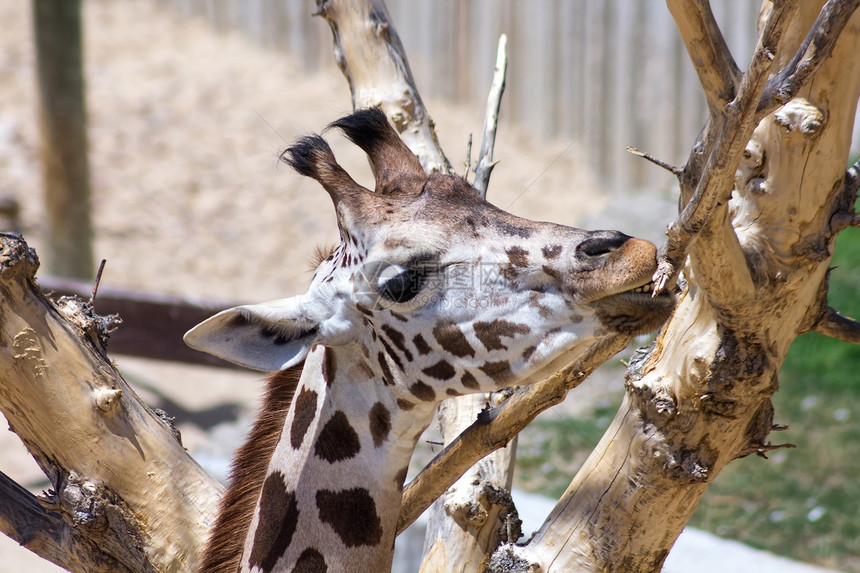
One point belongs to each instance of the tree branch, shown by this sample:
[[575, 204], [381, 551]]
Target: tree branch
[[485, 163], [676, 171], [119, 476], [838, 326], [784, 86], [718, 73], [495, 428], [374, 63], [46, 534], [714, 187]]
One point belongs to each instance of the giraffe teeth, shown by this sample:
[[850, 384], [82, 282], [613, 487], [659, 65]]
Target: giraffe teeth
[[643, 289]]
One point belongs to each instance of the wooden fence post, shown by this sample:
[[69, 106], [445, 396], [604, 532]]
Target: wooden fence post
[[63, 138]]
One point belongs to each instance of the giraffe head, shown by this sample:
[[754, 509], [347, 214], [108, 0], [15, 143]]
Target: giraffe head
[[439, 289]]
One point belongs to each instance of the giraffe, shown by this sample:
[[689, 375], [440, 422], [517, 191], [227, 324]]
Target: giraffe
[[432, 292]]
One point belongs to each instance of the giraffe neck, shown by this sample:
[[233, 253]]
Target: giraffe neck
[[333, 487]]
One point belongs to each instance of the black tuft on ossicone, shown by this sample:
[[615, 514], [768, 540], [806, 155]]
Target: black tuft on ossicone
[[307, 154], [395, 167], [367, 128]]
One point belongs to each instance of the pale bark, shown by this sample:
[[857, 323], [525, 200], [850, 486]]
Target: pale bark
[[371, 57], [472, 518], [485, 164], [702, 396], [125, 494]]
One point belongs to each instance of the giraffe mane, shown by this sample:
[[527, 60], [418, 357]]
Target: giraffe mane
[[321, 253], [247, 473]]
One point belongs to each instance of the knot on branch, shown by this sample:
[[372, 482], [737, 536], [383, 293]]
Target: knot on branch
[[100, 514], [18, 262], [689, 465], [508, 559], [800, 117], [96, 328]]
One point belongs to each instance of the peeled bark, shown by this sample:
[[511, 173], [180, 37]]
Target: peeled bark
[[701, 398], [125, 495]]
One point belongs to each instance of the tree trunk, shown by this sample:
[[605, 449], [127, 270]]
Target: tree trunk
[[125, 495], [701, 398], [63, 138]]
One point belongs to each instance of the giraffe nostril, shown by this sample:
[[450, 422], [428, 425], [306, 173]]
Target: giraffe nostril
[[602, 245]]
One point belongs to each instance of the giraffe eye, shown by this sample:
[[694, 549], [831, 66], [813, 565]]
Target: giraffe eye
[[398, 284]]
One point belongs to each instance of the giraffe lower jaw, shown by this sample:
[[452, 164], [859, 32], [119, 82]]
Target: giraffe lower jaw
[[635, 310]]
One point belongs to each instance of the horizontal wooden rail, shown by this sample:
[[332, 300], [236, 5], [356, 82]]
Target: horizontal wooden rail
[[152, 324]]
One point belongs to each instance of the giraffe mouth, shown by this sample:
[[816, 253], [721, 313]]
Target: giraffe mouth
[[635, 310]]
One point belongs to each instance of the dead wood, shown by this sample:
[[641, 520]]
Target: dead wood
[[125, 494], [757, 225]]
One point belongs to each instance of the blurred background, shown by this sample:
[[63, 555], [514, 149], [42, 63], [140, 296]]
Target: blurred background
[[189, 102]]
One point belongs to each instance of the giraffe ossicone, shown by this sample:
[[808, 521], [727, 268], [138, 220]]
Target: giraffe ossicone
[[433, 292]]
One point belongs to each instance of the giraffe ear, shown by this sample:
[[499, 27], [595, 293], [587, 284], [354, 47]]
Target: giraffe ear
[[269, 336]]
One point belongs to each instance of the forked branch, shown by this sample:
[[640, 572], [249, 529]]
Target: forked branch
[[783, 86], [714, 185]]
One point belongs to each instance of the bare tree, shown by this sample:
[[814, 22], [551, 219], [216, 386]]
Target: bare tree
[[764, 193]]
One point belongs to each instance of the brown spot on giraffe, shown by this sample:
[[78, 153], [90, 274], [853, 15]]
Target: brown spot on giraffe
[[380, 423], [517, 260], [551, 251], [421, 345], [311, 561], [386, 371], [337, 440], [451, 338], [279, 515], [518, 256], [442, 370], [398, 340], [469, 381], [304, 413], [329, 367], [398, 316], [422, 391], [499, 372], [363, 309], [404, 405], [391, 353], [352, 515], [490, 333]]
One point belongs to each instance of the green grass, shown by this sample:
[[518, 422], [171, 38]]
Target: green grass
[[803, 503]]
